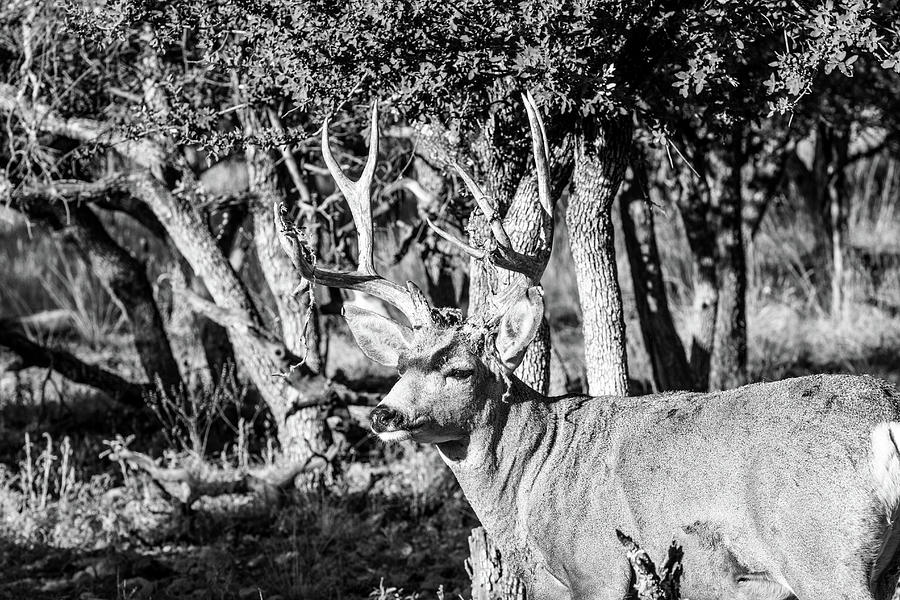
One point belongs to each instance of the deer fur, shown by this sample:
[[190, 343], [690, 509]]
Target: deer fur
[[774, 490]]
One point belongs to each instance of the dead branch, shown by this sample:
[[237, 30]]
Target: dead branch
[[71, 367], [648, 584], [199, 479]]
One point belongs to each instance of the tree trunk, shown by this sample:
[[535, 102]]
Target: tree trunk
[[838, 216], [281, 277], [214, 337], [490, 579], [198, 338], [664, 347], [294, 318], [696, 214], [601, 155], [822, 184], [728, 364], [126, 281], [439, 265], [530, 230], [263, 356], [650, 583], [836, 143], [559, 378]]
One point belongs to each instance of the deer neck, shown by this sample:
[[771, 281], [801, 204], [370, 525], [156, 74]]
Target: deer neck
[[494, 463]]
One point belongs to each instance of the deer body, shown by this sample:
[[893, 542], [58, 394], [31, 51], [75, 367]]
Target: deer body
[[768, 487], [774, 491]]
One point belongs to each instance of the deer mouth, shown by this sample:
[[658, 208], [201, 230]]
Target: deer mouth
[[399, 435]]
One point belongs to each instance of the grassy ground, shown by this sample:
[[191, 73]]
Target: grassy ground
[[75, 525]]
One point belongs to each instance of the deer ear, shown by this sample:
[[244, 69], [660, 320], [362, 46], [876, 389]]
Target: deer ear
[[519, 326], [380, 338]]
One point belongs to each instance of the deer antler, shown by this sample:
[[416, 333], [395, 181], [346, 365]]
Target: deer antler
[[500, 250], [410, 300]]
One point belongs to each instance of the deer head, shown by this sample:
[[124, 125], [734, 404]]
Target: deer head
[[452, 371]]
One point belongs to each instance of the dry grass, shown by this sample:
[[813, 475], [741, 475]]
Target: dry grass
[[47, 501], [397, 524], [43, 274]]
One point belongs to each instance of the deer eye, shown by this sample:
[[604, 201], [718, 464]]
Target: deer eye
[[459, 373]]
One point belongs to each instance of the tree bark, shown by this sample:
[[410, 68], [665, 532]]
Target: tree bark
[[530, 230], [601, 156], [491, 580], [263, 356], [664, 347], [696, 213], [822, 184], [728, 364], [838, 220], [294, 319], [123, 277], [213, 337], [837, 144], [281, 277], [439, 265], [648, 583]]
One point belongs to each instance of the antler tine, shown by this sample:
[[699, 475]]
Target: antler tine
[[484, 204], [471, 251], [410, 301], [541, 152], [504, 255], [357, 193], [368, 173], [343, 182]]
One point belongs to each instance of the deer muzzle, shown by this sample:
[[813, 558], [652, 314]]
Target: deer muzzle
[[384, 419]]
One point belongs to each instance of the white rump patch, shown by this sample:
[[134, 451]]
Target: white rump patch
[[886, 464]]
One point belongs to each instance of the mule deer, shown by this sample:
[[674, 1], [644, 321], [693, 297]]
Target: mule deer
[[774, 490]]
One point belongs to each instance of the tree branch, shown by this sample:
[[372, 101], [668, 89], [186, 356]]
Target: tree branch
[[70, 189], [111, 193], [289, 160], [223, 316], [235, 320], [73, 368], [43, 118], [134, 208]]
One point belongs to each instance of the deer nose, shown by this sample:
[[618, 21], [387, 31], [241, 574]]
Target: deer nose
[[384, 419]]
